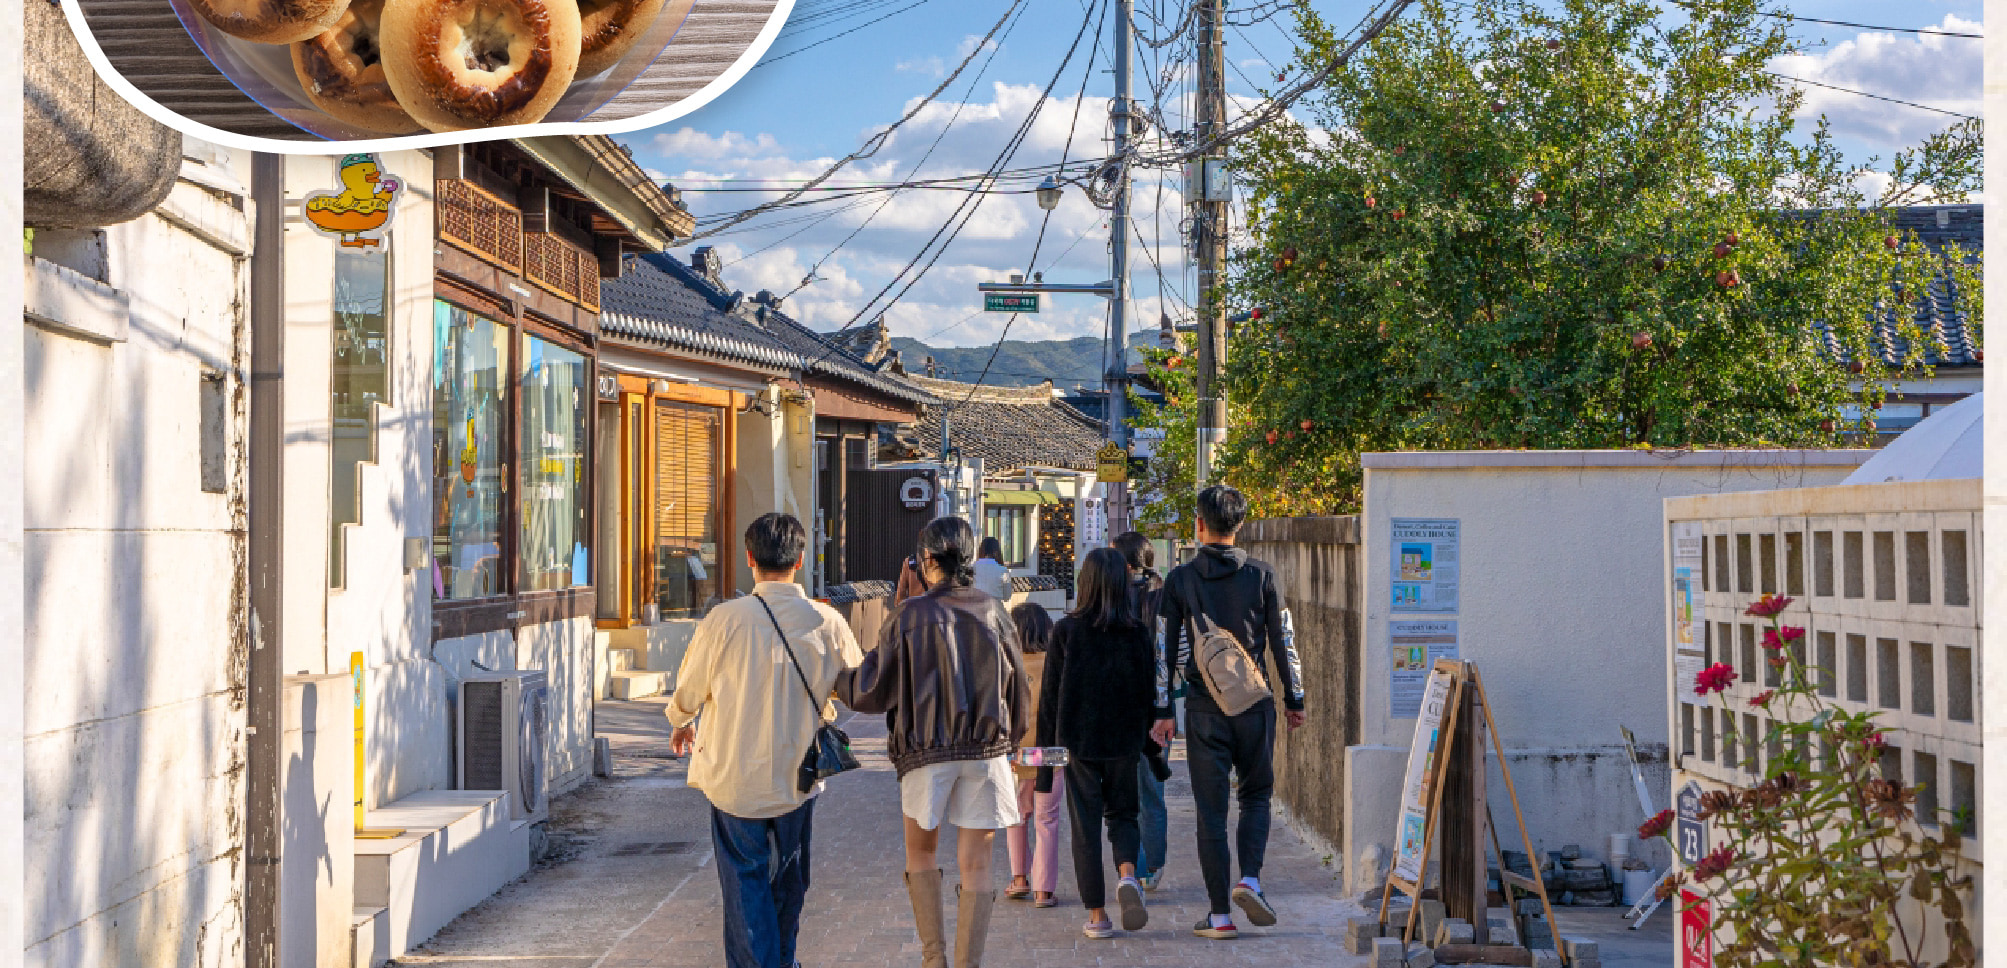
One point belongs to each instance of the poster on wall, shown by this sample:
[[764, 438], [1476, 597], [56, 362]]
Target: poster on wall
[[1696, 931], [1412, 831], [1415, 647], [1425, 564], [1689, 633]]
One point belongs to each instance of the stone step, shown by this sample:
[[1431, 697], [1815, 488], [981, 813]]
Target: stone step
[[369, 936], [458, 847], [637, 684], [620, 660]]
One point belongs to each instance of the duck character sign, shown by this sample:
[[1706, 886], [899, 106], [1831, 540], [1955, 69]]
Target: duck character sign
[[359, 213]]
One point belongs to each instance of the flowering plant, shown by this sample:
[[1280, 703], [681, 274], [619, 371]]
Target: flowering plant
[[1823, 862]]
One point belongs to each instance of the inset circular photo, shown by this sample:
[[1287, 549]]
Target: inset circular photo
[[290, 75]]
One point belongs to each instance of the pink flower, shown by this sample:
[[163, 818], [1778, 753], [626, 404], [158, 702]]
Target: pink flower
[[1715, 864], [1874, 741], [1792, 633], [1768, 606], [1656, 826], [1762, 700], [1714, 678]]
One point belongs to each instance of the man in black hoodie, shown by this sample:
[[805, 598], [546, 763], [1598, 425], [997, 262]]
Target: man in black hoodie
[[1241, 596]]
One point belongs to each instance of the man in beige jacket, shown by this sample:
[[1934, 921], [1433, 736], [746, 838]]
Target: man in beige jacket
[[751, 718]]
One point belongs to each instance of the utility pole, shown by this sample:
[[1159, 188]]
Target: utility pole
[[1116, 380], [1209, 231]]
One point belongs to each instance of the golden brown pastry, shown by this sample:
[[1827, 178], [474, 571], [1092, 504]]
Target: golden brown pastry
[[271, 21], [342, 72], [610, 28], [460, 64]]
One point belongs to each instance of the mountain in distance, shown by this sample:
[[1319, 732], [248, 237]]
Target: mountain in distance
[[1066, 362]]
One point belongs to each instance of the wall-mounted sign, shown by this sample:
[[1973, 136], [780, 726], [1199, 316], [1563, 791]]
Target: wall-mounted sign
[[1425, 564], [1690, 832], [916, 493], [358, 213], [609, 386], [1416, 646], [1111, 464], [1696, 931]]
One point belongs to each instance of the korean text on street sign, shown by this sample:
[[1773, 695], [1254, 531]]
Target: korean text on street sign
[[1696, 931], [1425, 564], [1010, 302], [1111, 464], [1691, 831], [1413, 829]]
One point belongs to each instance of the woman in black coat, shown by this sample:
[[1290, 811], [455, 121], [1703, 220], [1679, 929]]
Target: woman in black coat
[[1098, 701]]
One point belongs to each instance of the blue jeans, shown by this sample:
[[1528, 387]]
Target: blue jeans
[[1153, 820], [763, 871]]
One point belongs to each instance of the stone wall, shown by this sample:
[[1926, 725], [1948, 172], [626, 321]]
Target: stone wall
[[1317, 560]]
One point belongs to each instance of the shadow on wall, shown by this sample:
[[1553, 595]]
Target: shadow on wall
[[136, 651]]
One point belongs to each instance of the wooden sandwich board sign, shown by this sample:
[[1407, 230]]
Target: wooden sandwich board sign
[[1448, 754]]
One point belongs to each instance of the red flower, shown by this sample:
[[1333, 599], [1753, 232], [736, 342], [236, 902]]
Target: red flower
[[1792, 633], [1715, 864], [1874, 741], [1778, 661], [1762, 699], [1771, 640], [1768, 606], [1657, 826], [1715, 678]]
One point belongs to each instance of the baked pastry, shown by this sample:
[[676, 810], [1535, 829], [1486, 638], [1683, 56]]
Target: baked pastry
[[610, 28], [271, 21], [460, 64], [342, 72]]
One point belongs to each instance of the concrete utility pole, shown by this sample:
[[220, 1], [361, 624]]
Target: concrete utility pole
[[1209, 231], [1116, 380]]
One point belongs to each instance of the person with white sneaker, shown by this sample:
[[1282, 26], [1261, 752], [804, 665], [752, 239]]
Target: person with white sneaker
[[1223, 592], [1096, 700]]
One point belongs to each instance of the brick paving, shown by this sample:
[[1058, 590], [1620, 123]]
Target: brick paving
[[857, 913]]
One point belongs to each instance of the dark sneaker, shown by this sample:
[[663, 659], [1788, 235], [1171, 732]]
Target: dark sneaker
[[1253, 905], [1205, 929], [1129, 895]]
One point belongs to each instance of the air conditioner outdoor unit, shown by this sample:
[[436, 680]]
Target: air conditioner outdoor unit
[[504, 721]]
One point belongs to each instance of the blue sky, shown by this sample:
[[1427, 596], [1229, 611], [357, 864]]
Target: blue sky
[[788, 119]]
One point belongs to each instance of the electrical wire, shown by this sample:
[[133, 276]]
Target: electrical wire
[[808, 47], [1878, 97]]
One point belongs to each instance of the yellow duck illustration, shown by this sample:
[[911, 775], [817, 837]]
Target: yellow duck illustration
[[362, 206]]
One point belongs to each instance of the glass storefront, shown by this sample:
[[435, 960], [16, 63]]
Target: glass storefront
[[469, 432], [689, 463], [553, 553]]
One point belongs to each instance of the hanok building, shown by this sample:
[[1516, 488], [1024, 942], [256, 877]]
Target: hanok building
[[1041, 498], [726, 409]]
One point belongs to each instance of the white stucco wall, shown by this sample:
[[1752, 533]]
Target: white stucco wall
[[1563, 611], [134, 736]]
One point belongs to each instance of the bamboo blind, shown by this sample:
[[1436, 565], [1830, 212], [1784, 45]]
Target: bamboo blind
[[688, 442]]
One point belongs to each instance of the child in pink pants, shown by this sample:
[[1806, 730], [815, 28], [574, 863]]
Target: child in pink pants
[[1034, 843]]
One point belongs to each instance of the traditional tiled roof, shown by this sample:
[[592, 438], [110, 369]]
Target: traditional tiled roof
[[660, 300], [1008, 427], [664, 300], [1939, 317]]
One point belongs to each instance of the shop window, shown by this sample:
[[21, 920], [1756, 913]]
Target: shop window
[[553, 553], [1008, 525], [689, 465], [470, 475], [359, 379], [606, 557]]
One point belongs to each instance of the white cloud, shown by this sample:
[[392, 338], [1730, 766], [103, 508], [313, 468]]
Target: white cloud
[[997, 240], [1943, 72]]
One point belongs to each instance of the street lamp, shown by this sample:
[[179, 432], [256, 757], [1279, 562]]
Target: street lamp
[[1048, 193]]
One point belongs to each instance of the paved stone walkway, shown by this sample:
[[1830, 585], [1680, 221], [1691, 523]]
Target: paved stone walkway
[[605, 906]]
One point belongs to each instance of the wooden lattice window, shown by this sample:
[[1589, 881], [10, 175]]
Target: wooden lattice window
[[481, 223], [556, 264]]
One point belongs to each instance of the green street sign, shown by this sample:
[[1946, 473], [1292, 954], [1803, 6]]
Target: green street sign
[[1010, 302]]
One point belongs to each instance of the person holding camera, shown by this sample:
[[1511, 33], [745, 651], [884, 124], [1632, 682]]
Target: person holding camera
[[949, 677], [752, 692]]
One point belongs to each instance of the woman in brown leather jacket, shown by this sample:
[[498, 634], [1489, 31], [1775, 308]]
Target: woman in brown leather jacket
[[948, 675]]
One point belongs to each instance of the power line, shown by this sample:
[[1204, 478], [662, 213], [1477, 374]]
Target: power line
[[1878, 97], [781, 57], [1848, 23]]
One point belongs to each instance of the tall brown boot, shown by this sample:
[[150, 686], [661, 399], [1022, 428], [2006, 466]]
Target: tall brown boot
[[924, 887], [972, 926]]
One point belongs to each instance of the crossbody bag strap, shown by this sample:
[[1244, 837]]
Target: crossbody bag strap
[[805, 687]]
